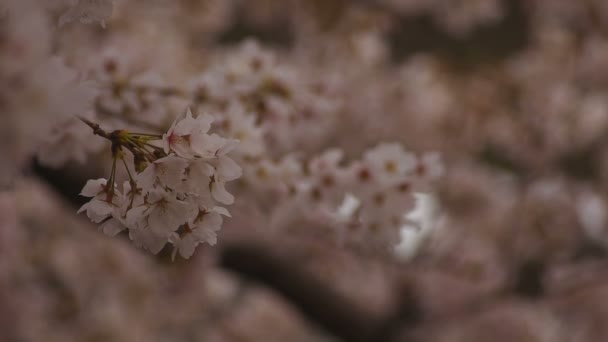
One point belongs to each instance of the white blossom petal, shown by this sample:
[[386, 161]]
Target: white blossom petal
[[227, 169], [112, 227], [145, 239], [93, 187], [219, 192]]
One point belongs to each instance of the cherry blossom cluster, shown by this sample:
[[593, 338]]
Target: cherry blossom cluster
[[176, 186], [270, 106], [381, 185], [282, 111], [129, 96], [286, 105], [124, 99]]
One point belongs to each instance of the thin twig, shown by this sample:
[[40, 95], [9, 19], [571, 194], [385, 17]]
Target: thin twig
[[96, 129]]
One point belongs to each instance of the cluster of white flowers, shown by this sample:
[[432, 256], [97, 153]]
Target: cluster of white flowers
[[383, 182], [174, 192], [282, 113], [123, 98], [382, 185], [129, 96], [139, 100], [271, 107], [286, 106]]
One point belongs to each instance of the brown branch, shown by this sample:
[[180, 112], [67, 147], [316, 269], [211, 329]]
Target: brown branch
[[97, 130]]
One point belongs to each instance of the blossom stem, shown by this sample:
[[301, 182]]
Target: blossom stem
[[156, 136], [112, 180], [97, 130], [131, 180], [154, 147], [141, 142]]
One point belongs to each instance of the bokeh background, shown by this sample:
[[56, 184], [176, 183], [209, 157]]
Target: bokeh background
[[513, 95]]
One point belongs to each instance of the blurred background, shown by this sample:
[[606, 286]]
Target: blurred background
[[512, 243]]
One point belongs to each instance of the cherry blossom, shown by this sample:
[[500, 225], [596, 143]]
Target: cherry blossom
[[164, 172], [389, 163], [202, 228], [187, 134], [172, 190], [103, 201]]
